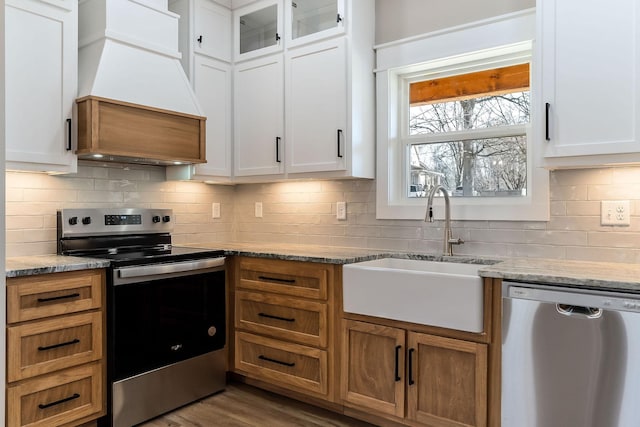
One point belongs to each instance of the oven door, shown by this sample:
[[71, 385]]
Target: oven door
[[165, 313]]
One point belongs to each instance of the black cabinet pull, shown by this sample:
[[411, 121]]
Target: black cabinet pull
[[62, 344], [547, 107], [279, 362], [59, 297], [278, 149], [199, 39], [397, 372], [276, 279], [277, 37], [68, 134], [271, 316], [339, 19], [57, 402], [411, 381], [339, 138]]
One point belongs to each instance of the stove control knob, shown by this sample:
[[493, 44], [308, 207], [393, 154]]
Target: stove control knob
[[166, 218], [155, 219], [86, 220], [73, 220]]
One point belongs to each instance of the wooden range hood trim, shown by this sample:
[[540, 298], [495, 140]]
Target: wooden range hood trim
[[126, 130]]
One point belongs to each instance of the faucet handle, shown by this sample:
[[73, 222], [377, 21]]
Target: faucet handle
[[457, 241]]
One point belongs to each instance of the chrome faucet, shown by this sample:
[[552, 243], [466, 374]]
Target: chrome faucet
[[428, 216]]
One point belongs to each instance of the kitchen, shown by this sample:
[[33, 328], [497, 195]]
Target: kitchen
[[304, 212]]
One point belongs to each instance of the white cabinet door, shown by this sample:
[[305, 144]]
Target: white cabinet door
[[212, 85], [311, 20], [317, 134], [41, 84], [259, 117], [258, 29], [590, 59], [212, 30]]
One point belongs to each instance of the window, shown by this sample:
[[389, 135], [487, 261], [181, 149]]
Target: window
[[468, 133], [454, 108]]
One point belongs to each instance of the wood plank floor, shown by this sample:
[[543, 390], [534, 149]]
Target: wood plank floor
[[241, 405]]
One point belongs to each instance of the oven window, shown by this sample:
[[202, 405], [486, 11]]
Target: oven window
[[165, 321]]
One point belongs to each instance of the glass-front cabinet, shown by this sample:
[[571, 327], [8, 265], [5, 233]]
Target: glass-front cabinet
[[258, 29], [310, 20]]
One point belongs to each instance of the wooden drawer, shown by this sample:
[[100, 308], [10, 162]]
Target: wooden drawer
[[48, 345], [301, 279], [56, 399], [39, 296], [282, 317], [290, 365]]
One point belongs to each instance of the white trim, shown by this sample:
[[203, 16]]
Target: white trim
[[499, 40]]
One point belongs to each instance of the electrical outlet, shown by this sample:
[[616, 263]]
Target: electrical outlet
[[215, 210], [258, 209], [341, 210], [615, 212]]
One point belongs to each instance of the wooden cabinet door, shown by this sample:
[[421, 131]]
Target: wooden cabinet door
[[41, 84], [259, 117], [590, 54], [446, 381], [316, 94], [373, 367]]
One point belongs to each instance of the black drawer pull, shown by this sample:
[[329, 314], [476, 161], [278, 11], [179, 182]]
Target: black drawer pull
[[276, 279], [411, 351], [58, 298], [547, 107], [279, 362], [57, 402], [397, 370], [62, 344], [271, 316]]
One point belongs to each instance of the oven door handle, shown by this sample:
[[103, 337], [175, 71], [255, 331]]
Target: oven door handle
[[174, 267]]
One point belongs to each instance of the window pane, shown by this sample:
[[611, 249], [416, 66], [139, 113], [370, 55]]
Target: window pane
[[476, 113], [494, 167]]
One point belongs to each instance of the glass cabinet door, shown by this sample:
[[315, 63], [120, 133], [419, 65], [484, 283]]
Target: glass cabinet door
[[258, 29], [312, 17]]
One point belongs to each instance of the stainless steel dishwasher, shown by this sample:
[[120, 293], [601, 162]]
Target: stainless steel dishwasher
[[570, 357]]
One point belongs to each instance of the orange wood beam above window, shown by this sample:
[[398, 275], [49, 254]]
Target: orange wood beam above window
[[497, 81]]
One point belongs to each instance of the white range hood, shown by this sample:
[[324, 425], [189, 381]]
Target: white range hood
[[128, 51]]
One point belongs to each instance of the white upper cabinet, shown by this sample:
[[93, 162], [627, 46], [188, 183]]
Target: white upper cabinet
[[258, 117], [589, 106], [205, 43], [41, 69], [310, 20], [316, 104], [257, 29]]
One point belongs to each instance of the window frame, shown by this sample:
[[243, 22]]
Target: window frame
[[504, 40]]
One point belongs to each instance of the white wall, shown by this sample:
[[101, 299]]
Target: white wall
[[398, 19]]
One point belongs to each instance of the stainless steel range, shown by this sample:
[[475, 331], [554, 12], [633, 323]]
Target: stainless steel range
[[166, 317]]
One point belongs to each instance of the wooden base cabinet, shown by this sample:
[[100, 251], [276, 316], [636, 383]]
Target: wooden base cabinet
[[55, 349], [284, 328], [414, 378]]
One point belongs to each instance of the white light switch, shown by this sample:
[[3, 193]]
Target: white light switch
[[215, 210], [258, 209], [615, 212]]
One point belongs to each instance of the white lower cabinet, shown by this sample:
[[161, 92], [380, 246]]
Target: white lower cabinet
[[41, 73]]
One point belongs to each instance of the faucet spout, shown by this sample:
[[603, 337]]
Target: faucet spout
[[449, 241]]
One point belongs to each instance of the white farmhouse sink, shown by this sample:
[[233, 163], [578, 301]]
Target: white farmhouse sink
[[446, 294]]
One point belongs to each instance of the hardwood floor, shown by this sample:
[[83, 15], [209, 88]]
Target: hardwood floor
[[241, 405]]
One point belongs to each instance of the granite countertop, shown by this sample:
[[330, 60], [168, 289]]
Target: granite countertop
[[594, 275], [41, 264], [584, 274]]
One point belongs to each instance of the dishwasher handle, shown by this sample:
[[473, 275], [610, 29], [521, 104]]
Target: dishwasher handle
[[576, 310]]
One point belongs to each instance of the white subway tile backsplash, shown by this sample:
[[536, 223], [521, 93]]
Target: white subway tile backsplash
[[304, 212]]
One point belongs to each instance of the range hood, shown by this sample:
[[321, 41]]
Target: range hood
[[135, 101]]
